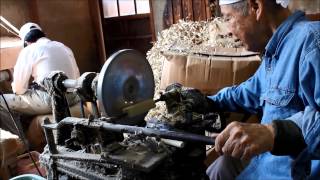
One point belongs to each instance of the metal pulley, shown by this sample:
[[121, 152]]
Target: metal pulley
[[126, 79]]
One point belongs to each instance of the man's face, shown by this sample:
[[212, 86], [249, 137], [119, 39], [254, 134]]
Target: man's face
[[245, 27]]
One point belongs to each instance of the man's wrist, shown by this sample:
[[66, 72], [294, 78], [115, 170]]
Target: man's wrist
[[288, 138], [271, 130]]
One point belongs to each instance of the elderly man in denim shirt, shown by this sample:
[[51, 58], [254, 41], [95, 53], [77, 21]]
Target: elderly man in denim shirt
[[285, 90]]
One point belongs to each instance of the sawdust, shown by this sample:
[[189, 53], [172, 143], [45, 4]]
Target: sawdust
[[186, 36]]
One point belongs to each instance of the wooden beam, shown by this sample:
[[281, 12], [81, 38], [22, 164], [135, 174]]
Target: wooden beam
[[207, 9], [138, 16], [96, 14], [187, 9], [199, 10], [168, 14], [177, 10], [130, 37], [152, 25]]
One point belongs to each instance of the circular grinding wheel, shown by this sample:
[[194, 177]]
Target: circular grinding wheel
[[126, 78]]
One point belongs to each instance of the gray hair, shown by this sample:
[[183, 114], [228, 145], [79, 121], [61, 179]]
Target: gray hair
[[241, 6]]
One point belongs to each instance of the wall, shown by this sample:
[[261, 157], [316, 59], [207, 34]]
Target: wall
[[67, 21], [158, 8], [309, 6], [70, 22], [15, 11], [128, 32], [168, 12]]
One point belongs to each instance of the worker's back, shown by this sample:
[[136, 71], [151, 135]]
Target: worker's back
[[39, 59], [52, 56]]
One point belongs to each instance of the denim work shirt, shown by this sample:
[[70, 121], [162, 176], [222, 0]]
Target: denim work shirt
[[286, 86]]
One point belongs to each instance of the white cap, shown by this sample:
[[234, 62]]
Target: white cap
[[224, 2], [26, 28], [283, 3]]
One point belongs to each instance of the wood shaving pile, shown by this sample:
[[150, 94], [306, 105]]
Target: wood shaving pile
[[184, 36]]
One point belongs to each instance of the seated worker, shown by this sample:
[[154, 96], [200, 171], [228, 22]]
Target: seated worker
[[285, 90], [39, 57]]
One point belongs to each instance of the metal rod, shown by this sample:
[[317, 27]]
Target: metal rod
[[50, 138], [95, 109], [78, 172], [180, 136], [80, 157], [118, 7], [135, 6], [70, 83], [82, 109], [174, 135]]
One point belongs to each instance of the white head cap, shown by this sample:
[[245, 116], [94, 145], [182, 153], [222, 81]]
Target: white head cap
[[26, 28], [284, 3], [224, 2]]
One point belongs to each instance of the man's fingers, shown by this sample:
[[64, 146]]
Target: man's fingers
[[240, 140], [249, 152], [233, 141], [221, 140], [223, 137], [238, 151], [229, 146]]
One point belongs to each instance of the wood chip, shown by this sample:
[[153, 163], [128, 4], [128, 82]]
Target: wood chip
[[186, 35]]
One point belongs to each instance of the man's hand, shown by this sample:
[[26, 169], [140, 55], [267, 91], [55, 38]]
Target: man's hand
[[193, 100], [244, 141]]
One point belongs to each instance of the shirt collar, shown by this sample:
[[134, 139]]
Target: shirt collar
[[281, 32], [43, 39]]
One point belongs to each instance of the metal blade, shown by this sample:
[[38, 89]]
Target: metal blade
[[125, 79]]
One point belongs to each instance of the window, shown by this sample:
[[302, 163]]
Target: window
[[114, 8], [143, 6]]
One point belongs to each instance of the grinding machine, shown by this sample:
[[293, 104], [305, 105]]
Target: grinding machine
[[115, 141]]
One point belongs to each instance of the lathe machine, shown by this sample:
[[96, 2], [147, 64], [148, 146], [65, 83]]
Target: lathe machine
[[115, 141]]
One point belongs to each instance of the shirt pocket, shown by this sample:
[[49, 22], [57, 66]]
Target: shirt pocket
[[277, 97]]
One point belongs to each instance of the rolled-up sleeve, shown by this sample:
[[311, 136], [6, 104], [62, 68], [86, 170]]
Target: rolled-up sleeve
[[309, 119], [309, 123], [245, 96]]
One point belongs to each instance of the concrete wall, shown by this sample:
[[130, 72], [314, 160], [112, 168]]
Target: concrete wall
[[67, 21]]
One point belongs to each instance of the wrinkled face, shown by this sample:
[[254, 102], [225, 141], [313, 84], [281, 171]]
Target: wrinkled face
[[245, 27]]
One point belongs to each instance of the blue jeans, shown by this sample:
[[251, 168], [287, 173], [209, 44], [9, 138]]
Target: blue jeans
[[225, 168]]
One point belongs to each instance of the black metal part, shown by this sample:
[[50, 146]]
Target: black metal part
[[125, 79], [78, 173], [121, 158], [50, 138], [167, 134], [94, 148], [83, 86], [82, 109], [95, 110], [139, 160], [60, 108], [54, 86]]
